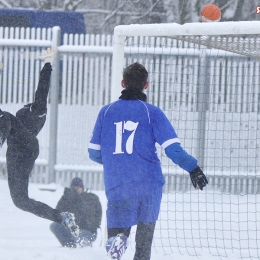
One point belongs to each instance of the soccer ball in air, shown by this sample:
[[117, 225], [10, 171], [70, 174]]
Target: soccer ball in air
[[210, 13]]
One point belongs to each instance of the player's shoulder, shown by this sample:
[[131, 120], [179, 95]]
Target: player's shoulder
[[152, 108], [106, 107], [150, 105]]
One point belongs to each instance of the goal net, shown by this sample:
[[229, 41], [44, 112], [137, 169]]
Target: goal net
[[206, 78]]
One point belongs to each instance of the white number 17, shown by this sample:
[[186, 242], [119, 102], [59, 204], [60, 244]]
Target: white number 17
[[120, 129]]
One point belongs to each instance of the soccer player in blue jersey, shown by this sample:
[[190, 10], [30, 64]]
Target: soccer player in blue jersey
[[123, 141]]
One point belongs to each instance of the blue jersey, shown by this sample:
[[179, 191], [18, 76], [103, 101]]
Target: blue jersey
[[126, 132]]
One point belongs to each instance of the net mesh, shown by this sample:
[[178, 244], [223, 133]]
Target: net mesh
[[208, 86], [248, 45]]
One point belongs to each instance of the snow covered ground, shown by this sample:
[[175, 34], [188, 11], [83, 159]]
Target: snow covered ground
[[27, 237]]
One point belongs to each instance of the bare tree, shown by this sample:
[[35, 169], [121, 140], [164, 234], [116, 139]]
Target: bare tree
[[4, 3], [71, 5], [103, 15], [184, 11]]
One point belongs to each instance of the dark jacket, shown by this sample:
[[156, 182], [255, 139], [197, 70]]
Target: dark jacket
[[86, 207]]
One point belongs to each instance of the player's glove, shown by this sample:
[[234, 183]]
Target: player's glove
[[48, 55], [198, 178]]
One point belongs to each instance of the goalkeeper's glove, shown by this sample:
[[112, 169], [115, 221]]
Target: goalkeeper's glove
[[48, 55], [198, 178]]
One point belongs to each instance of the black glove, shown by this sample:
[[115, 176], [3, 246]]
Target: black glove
[[198, 178]]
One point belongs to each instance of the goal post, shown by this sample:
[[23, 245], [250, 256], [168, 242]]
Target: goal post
[[206, 78]]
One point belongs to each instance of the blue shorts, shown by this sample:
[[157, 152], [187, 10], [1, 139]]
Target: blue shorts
[[127, 212]]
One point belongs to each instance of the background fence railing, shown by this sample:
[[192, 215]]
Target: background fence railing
[[83, 84]]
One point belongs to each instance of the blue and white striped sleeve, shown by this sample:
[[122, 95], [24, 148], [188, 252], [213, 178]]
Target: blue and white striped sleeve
[[94, 148]]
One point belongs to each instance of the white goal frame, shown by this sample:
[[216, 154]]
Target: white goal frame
[[168, 30]]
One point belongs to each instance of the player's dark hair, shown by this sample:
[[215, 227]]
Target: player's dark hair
[[135, 76]]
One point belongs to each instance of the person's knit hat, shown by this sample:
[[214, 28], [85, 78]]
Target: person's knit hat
[[77, 182]]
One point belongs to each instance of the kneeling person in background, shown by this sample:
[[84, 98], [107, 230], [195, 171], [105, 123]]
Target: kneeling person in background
[[87, 209]]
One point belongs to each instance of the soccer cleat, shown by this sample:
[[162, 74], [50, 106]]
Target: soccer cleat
[[68, 221], [116, 247]]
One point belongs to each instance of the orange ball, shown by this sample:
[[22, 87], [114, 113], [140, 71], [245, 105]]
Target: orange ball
[[210, 13]]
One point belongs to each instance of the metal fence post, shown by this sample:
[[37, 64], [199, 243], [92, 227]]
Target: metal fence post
[[202, 107], [54, 102], [117, 66]]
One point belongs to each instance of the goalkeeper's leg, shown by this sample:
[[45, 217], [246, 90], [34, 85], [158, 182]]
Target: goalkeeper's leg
[[33, 115], [143, 240], [19, 169]]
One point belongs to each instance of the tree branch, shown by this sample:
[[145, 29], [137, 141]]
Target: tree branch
[[227, 4], [4, 3], [112, 14], [101, 11], [147, 12]]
